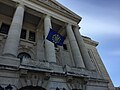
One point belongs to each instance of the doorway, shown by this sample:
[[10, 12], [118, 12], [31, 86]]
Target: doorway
[[32, 88]]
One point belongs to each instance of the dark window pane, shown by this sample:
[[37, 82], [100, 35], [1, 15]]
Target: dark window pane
[[55, 46], [23, 34], [64, 46], [4, 28], [23, 55], [32, 36]]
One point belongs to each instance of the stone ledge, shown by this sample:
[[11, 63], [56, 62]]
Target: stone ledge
[[35, 64], [35, 68], [57, 69], [80, 72], [9, 61]]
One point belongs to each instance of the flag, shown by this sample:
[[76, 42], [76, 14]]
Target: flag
[[55, 37]]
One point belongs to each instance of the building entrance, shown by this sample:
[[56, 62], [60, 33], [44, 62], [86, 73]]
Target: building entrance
[[32, 88]]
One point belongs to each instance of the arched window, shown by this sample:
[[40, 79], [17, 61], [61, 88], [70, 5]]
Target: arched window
[[23, 55]]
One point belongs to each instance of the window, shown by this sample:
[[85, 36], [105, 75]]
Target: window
[[55, 46], [31, 36], [23, 55], [64, 46], [23, 34], [90, 54], [4, 28]]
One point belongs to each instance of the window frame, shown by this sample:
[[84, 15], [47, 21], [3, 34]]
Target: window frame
[[23, 35], [34, 36], [4, 32]]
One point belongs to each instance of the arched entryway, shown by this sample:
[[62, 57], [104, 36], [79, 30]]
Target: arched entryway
[[32, 88]]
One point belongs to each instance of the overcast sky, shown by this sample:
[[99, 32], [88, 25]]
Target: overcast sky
[[101, 22]]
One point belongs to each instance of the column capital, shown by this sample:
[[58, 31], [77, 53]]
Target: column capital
[[47, 16], [47, 22], [77, 27], [68, 24], [20, 5]]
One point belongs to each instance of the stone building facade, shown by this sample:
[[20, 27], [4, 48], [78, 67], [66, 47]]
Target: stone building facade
[[30, 62]]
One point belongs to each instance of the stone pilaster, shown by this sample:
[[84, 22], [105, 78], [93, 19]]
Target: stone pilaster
[[88, 63], [74, 47], [12, 41], [49, 46]]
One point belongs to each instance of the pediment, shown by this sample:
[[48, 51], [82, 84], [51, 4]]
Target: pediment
[[55, 6]]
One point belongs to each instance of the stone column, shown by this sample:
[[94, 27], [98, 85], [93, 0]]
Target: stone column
[[88, 63], [49, 46], [74, 47], [12, 41]]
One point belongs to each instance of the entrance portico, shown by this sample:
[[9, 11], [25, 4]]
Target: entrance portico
[[28, 60], [12, 42]]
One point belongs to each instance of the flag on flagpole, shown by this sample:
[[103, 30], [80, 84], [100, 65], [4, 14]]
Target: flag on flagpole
[[55, 37]]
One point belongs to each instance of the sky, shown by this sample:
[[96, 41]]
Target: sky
[[101, 22]]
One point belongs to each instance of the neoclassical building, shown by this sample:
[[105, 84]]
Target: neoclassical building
[[30, 62]]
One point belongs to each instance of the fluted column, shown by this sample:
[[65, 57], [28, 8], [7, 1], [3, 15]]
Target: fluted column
[[89, 65], [12, 41], [49, 46], [74, 47]]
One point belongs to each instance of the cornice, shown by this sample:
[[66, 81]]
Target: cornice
[[90, 41], [56, 7], [47, 10], [52, 7]]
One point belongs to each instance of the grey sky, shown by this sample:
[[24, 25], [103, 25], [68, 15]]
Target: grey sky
[[101, 22]]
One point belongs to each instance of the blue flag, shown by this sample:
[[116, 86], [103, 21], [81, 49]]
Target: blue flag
[[55, 37]]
